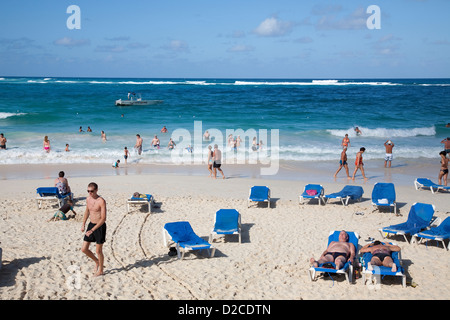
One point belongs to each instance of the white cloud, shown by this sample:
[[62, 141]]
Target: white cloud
[[273, 27], [70, 43], [241, 48], [177, 46]]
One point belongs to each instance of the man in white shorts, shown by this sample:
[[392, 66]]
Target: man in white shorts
[[389, 145]]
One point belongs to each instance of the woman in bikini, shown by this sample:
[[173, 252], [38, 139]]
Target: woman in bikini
[[46, 144], [210, 160], [443, 173], [345, 142]]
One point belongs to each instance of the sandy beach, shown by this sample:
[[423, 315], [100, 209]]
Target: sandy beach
[[42, 260]]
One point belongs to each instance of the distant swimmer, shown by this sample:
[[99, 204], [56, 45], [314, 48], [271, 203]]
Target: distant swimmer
[[443, 172], [67, 147], [358, 132], [164, 129], [345, 141], [155, 142], [103, 136], [389, 145], [89, 129], [206, 135], [359, 163], [2, 142], [81, 129], [447, 125], [126, 154], [138, 145], [446, 143], [46, 144], [343, 163]]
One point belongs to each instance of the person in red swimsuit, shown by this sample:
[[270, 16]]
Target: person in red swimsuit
[[359, 163]]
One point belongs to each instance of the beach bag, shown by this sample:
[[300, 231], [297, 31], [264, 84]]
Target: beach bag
[[311, 192]]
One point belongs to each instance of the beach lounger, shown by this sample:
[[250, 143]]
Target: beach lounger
[[226, 221], [383, 195], [259, 194], [347, 269], [439, 233], [312, 191], [148, 199], [382, 270], [419, 218], [346, 194], [183, 236], [51, 193], [427, 183]]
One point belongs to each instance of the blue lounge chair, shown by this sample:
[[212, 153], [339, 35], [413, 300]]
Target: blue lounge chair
[[140, 201], [346, 194], [184, 237], [439, 233], [382, 270], [419, 218], [226, 221], [259, 194], [427, 183], [312, 191], [347, 269], [51, 193], [383, 195]]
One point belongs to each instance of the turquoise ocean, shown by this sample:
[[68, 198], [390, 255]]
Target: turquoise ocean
[[312, 116]]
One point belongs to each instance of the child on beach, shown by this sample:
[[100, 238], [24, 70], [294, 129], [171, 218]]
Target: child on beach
[[116, 164], [46, 144], [61, 213], [67, 147], [359, 163]]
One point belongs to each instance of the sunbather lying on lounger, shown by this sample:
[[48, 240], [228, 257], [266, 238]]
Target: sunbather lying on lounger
[[381, 255], [338, 252]]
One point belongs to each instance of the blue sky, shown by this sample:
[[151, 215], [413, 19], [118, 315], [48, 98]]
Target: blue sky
[[226, 39]]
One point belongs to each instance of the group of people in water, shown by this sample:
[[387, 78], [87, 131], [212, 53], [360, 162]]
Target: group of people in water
[[389, 145]]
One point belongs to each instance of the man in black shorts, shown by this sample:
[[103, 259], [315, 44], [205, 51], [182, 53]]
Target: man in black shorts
[[217, 157], [96, 231], [381, 254]]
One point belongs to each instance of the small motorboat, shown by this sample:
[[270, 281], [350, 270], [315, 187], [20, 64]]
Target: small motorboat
[[135, 99]]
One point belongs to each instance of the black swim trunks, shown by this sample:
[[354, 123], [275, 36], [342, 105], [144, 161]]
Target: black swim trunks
[[98, 236], [381, 256], [216, 165], [337, 254]]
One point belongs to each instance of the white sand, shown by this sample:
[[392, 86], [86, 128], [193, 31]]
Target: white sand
[[42, 260]]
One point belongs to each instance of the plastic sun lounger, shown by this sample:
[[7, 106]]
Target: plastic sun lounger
[[312, 191], [140, 201], [184, 237], [51, 193], [420, 183], [383, 195], [346, 194], [226, 221], [347, 269], [439, 233], [259, 194], [382, 270], [419, 218]]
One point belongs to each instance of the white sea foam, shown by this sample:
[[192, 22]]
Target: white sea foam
[[4, 115], [385, 132]]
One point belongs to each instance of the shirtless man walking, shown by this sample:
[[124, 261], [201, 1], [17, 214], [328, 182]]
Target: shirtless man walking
[[2, 141], [338, 252], [389, 145], [343, 163], [96, 231]]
